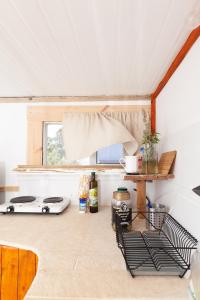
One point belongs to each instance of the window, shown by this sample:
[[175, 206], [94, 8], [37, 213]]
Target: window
[[42, 127], [110, 155], [53, 149]]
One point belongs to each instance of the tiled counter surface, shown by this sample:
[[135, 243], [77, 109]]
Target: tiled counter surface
[[79, 259]]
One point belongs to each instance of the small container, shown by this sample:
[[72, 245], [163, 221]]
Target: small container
[[121, 204], [83, 193], [82, 205], [140, 160], [195, 275], [155, 215]]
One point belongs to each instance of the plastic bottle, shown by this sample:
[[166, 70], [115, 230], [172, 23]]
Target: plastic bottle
[[83, 193], [194, 286], [82, 205], [140, 160]]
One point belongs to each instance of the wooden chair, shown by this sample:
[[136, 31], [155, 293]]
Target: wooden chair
[[18, 268]]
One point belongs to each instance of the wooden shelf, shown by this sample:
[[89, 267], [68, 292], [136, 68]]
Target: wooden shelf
[[64, 168], [145, 177], [140, 181], [9, 188]]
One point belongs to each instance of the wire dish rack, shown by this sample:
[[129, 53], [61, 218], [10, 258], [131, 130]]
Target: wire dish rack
[[164, 251]]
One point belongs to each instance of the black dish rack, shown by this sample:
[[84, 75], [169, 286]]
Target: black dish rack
[[164, 251]]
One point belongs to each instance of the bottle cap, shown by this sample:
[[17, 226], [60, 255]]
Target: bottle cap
[[122, 189]]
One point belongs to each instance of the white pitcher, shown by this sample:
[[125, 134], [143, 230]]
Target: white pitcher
[[129, 163]]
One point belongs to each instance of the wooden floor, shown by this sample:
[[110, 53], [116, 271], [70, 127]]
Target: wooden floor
[[18, 268]]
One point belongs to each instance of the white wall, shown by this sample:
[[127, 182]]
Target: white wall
[[49, 184], [178, 122], [13, 137]]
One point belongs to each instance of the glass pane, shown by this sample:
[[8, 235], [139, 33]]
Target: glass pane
[[53, 144], [110, 155]]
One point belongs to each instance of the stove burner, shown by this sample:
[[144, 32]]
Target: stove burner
[[53, 200], [23, 199]]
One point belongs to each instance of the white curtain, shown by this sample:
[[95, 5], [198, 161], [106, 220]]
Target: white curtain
[[86, 132]]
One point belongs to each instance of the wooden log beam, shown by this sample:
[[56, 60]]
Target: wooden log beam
[[194, 35], [141, 197], [32, 99], [153, 114]]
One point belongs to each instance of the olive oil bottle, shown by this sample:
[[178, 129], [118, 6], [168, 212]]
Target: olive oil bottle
[[93, 194]]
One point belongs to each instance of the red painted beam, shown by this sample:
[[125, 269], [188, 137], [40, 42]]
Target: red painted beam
[[153, 114], [194, 35]]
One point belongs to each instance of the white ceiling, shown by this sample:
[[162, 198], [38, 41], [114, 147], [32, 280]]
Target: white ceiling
[[90, 47]]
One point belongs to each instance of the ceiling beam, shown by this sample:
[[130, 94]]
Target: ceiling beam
[[33, 99], [153, 114], [194, 35]]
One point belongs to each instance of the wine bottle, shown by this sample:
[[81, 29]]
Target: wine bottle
[[93, 194]]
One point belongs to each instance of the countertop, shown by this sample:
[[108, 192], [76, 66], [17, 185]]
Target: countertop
[[79, 259]]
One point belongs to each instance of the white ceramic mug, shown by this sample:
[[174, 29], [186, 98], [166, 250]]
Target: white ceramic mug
[[129, 163]]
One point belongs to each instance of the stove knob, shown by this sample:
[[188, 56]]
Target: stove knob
[[10, 209], [45, 210]]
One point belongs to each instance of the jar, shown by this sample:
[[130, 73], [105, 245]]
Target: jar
[[82, 205], [121, 205], [150, 159]]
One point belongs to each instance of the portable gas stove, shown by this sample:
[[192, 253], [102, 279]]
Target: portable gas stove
[[37, 205]]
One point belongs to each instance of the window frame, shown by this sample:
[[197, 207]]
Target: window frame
[[37, 115]]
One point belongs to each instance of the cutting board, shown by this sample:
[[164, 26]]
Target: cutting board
[[166, 162]]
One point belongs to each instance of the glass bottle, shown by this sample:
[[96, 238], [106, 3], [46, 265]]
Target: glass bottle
[[93, 194]]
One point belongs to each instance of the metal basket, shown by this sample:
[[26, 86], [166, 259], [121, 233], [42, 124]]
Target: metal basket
[[155, 216], [160, 252]]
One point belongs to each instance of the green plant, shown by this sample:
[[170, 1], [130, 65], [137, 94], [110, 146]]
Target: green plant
[[150, 138], [55, 150], [150, 159]]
